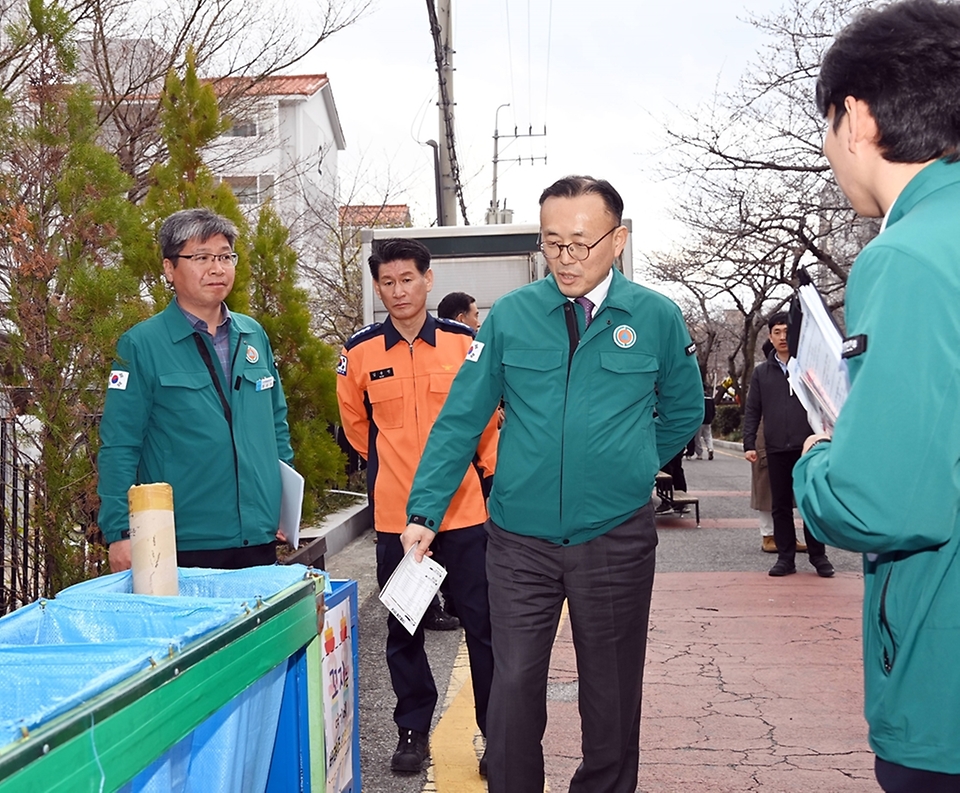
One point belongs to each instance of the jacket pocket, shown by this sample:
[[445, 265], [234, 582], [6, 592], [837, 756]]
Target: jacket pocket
[[386, 397], [438, 389], [888, 643], [185, 396], [624, 380]]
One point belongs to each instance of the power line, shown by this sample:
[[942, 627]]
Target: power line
[[513, 93], [546, 87]]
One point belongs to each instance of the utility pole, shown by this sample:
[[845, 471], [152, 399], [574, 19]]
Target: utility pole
[[441, 28], [495, 215]]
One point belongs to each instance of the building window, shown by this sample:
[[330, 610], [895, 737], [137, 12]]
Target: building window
[[244, 128], [251, 189]]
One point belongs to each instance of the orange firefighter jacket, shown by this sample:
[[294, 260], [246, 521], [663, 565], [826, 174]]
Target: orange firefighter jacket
[[390, 393]]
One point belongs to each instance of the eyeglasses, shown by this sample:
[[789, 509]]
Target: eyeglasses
[[577, 250], [204, 259]]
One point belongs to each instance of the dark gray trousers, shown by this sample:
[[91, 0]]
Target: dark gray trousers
[[607, 583]]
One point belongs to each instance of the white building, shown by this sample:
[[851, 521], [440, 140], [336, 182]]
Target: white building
[[283, 144]]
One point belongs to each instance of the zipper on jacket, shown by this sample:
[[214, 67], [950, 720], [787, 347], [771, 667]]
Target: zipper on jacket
[[573, 333], [233, 440], [888, 656]]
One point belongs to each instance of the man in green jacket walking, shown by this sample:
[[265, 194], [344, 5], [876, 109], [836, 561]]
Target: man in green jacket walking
[[600, 388], [887, 484], [194, 400]]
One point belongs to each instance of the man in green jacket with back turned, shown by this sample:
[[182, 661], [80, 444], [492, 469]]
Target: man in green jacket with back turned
[[888, 483], [194, 400], [600, 388]]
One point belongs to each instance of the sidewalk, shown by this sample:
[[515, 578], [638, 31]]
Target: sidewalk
[[752, 683], [749, 685]]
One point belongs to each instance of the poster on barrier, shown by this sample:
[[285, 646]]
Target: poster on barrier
[[339, 680]]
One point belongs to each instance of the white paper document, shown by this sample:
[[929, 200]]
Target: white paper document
[[818, 374], [291, 504], [410, 589]]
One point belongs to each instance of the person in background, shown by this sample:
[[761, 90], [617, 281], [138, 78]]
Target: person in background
[[785, 427], [197, 382], [704, 437], [392, 380], [760, 498], [460, 307], [887, 483]]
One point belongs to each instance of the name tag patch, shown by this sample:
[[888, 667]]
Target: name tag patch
[[381, 373], [118, 380], [264, 383], [473, 354], [854, 346]]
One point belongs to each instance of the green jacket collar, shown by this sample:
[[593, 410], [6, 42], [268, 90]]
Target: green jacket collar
[[937, 175], [179, 329], [616, 296]]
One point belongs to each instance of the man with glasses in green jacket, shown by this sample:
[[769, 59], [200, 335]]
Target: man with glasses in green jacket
[[194, 400], [600, 387]]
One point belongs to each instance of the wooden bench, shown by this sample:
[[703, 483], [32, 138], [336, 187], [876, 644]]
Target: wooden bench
[[674, 500]]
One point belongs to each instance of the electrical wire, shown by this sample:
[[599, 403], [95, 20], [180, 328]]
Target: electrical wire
[[546, 80], [513, 93]]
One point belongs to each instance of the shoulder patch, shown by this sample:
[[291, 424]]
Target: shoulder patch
[[691, 349], [473, 354], [118, 380], [455, 327], [342, 365], [854, 346], [363, 333]]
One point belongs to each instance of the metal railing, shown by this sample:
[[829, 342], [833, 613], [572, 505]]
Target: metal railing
[[20, 545]]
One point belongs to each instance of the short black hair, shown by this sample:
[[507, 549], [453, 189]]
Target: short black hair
[[398, 249], [780, 318], [576, 186], [904, 61], [455, 304]]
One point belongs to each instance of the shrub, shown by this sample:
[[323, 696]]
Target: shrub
[[727, 421]]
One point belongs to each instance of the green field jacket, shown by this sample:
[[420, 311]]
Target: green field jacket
[[585, 434], [164, 422], [889, 483]]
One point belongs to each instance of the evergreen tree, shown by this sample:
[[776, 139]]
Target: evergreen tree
[[189, 121], [65, 225], [306, 364]]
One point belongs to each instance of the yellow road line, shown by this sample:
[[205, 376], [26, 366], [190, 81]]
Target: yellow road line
[[456, 744]]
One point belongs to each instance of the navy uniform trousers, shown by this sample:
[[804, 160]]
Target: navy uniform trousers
[[462, 552], [607, 583]]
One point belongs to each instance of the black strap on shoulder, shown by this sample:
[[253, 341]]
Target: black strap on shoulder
[[205, 354], [573, 329]]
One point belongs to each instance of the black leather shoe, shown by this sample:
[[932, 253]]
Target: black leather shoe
[[824, 568], [782, 568], [412, 749], [436, 619], [483, 764]]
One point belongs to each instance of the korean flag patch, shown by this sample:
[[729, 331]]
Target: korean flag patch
[[342, 365], [118, 380], [473, 354]]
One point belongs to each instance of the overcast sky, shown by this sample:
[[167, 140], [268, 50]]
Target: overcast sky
[[602, 75]]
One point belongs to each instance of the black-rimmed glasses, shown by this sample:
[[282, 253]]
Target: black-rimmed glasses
[[577, 250]]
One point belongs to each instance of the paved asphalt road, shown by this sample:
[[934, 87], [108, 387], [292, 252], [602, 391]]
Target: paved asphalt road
[[727, 542]]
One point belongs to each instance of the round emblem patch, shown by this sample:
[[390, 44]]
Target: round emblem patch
[[252, 355], [624, 336]]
